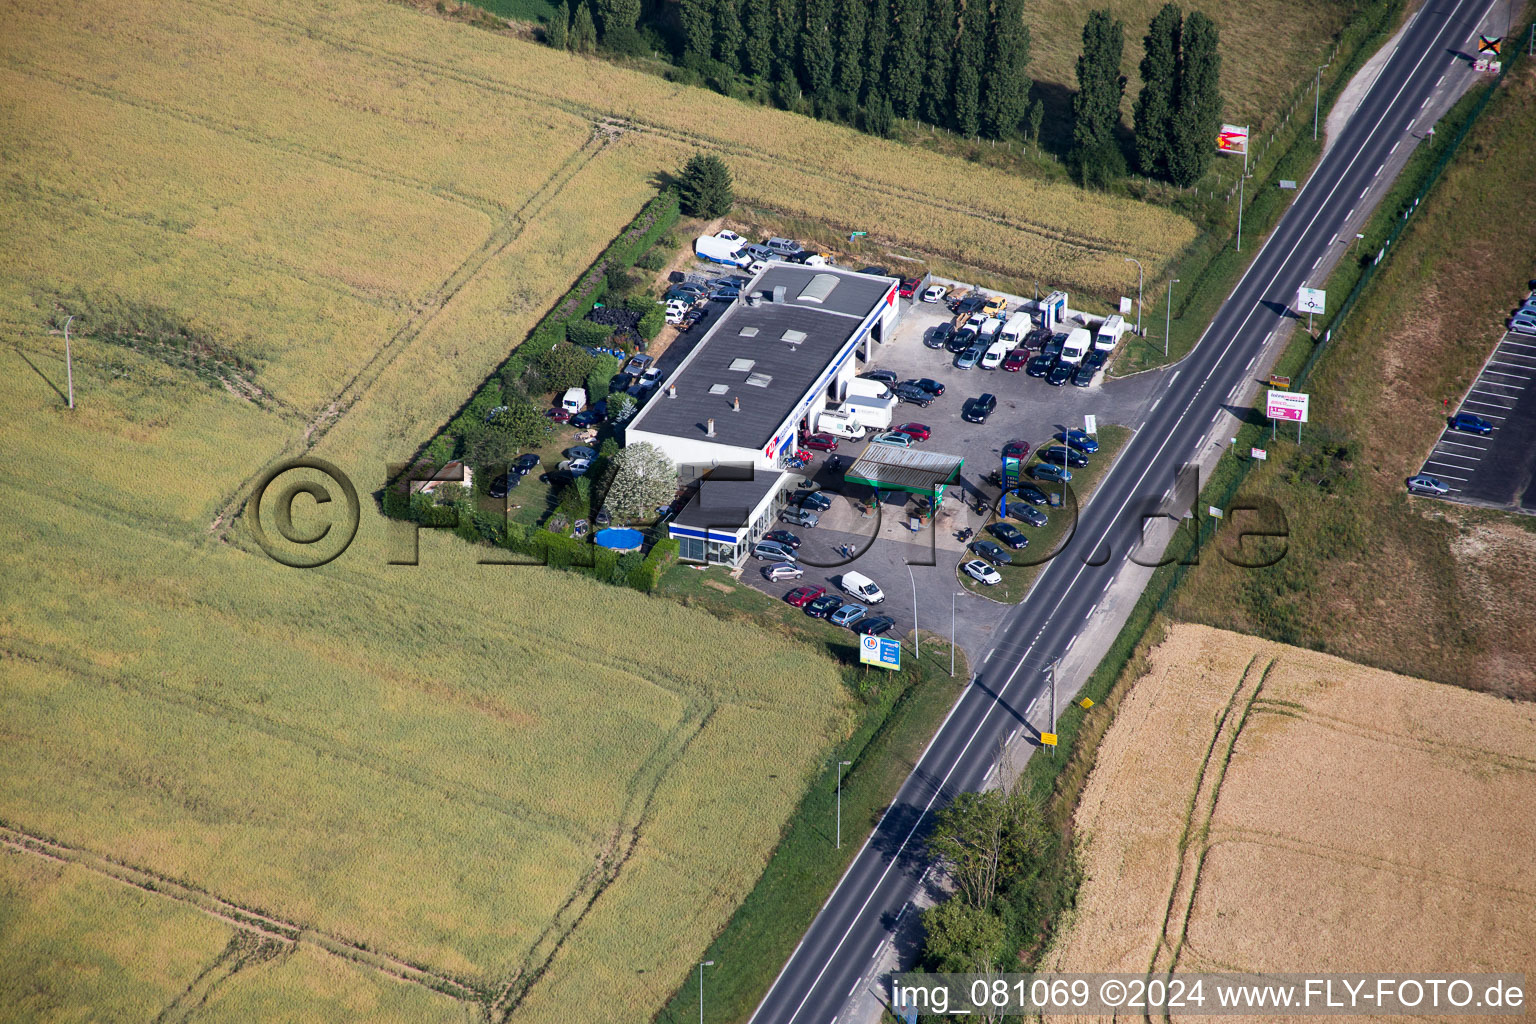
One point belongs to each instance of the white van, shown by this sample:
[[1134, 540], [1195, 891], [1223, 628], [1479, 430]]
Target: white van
[[1014, 331], [575, 400], [862, 587], [1109, 333], [994, 355], [1078, 342], [840, 424]]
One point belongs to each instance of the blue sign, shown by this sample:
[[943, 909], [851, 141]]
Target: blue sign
[[880, 652]]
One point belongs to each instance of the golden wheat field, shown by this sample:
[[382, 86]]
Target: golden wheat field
[[1257, 807]]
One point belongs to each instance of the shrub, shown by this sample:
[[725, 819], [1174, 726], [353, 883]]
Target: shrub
[[585, 332], [652, 259], [564, 366]]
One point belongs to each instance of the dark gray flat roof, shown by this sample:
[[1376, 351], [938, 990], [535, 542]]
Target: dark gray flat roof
[[726, 504], [792, 368]]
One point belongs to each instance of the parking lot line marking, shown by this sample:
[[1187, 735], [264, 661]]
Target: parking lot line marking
[[1447, 475], [1462, 444], [1518, 344], [1500, 384], [1506, 373], [1487, 415], [1457, 455], [1522, 366]]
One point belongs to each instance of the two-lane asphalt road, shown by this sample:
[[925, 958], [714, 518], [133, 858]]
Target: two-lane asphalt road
[[836, 952]]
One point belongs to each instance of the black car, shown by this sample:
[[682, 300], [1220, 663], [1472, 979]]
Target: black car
[[1082, 377], [525, 463], [978, 409], [1054, 346], [499, 486], [959, 342], [969, 304], [929, 385], [1009, 534], [1096, 358], [1029, 516], [883, 376], [621, 382], [874, 625], [877, 271], [1039, 366], [586, 418], [823, 606], [784, 537], [1063, 456], [816, 501], [1032, 494], [1037, 338], [1059, 375], [986, 549], [914, 394], [939, 335]]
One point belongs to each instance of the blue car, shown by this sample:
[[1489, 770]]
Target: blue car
[[1471, 424], [1083, 442]]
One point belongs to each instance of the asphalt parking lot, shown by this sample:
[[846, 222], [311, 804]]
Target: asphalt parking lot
[[1497, 469]]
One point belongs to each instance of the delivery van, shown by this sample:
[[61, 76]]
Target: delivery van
[[1078, 342]]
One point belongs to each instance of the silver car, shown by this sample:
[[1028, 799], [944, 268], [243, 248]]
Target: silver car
[[1426, 484], [967, 359]]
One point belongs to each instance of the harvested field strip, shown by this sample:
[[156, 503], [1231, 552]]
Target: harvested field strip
[[266, 926], [1427, 744]]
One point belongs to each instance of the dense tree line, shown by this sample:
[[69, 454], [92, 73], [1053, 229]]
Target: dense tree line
[[1178, 111], [958, 64]]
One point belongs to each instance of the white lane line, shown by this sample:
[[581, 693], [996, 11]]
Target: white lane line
[[1316, 262], [1462, 444], [1447, 475], [1380, 169], [1365, 192], [1426, 102], [1399, 142], [1175, 376], [1506, 373], [1518, 344], [1518, 366], [1458, 455], [1410, 125], [1487, 415], [1498, 384], [1441, 82], [1350, 215]]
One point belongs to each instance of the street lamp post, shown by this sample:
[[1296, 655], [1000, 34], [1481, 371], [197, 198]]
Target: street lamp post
[[1139, 278], [917, 643], [1239, 213], [952, 595], [702, 964], [840, 766], [69, 363], [1168, 317], [1317, 99]]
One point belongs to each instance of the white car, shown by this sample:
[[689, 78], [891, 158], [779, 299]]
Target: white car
[[576, 467], [982, 572], [934, 293]]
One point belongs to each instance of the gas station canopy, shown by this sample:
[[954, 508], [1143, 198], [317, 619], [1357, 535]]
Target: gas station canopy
[[886, 467]]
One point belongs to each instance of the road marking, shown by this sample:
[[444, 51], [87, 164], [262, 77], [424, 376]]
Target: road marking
[[1426, 102], [1457, 455], [1499, 384], [1399, 142], [1410, 125], [1447, 475], [1379, 170], [1365, 192], [1441, 82], [1506, 373], [1500, 362], [1350, 215], [1488, 415], [1462, 444], [1314, 267]]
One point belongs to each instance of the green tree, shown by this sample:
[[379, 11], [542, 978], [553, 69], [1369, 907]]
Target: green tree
[[652, 321], [558, 33], [904, 66], [616, 16], [852, 20], [643, 478], [786, 46], [621, 407], [698, 24], [961, 939], [943, 30], [817, 59], [583, 30], [969, 54], [1096, 107], [604, 368], [984, 838], [513, 428], [1197, 107], [879, 118], [1153, 113], [564, 366], [877, 41], [757, 47], [1005, 83], [728, 34], [1034, 118], [704, 187]]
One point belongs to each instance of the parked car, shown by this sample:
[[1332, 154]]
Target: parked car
[[1014, 361], [1060, 374], [1009, 535], [939, 335], [916, 431], [908, 287], [1029, 516], [782, 246], [576, 467], [526, 463], [782, 571], [1523, 323], [816, 501], [935, 293], [559, 415], [877, 271], [1426, 484], [1054, 345], [848, 614], [800, 517], [913, 394], [586, 418], [993, 304], [1083, 376], [979, 408], [821, 607], [1469, 423], [1050, 472], [1082, 441], [1032, 494], [883, 376], [1039, 366], [1016, 449], [1096, 359], [861, 587], [581, 451], [499, 487], [802, 596], [967, 359], [968, 304], [1063, 456], [874, 625], [894, 438], [821, 442], [928, 384], [986, 549], [960, 340], [783, 537], [638, 364], [981, 572]]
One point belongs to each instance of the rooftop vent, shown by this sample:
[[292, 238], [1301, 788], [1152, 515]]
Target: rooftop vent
[[793, 337], [736, 405], [719, 389], [743, 365], [671, 390], [755, 299], [780, 293], [709, 428], [749, 332], [759, 380], [820, 287]]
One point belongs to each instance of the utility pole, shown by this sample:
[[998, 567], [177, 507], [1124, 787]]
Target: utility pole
[[69, 363], [917, 642], [1053, 702], [1239, 212], [1168, 317], [1317, 98], [702, 964], [840, 766], [1139, 278], [952, 596]]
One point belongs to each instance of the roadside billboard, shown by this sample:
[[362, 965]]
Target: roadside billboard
[[1232, 139], [880, 652], [1286, 405], [1312, 300]]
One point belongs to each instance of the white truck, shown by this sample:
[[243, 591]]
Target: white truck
[[873, 413], [1109, 334], [841, 423], [1014, 331], [725, 247], [1079, 341]]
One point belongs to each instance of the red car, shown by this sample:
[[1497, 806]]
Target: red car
[[916, 431], [1015, 449], [558, 415], [1014, 361], [821, 443], [908, 287], [802, 596]]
